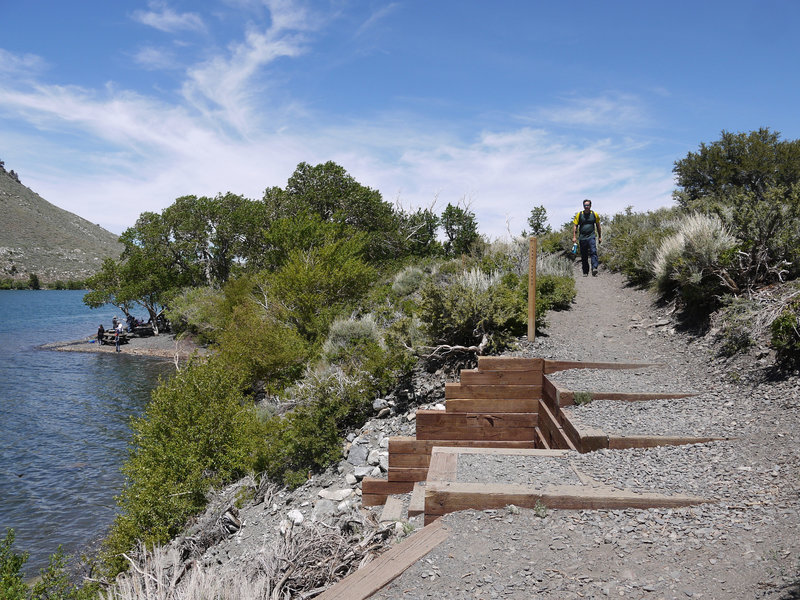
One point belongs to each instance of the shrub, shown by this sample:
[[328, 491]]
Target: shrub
[[408, 281], [631, 241], [786, 335], [735, 318], [12, 582], [694, 263], [554, 292], [308, 438], [198, 432]]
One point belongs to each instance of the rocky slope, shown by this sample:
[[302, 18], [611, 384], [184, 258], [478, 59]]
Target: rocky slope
[[38, 237]]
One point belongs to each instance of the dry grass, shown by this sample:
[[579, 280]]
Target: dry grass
[[305, 560]]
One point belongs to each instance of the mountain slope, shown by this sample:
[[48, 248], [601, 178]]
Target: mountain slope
[[38, 237]]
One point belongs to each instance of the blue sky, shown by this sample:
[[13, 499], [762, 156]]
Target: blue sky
[[108, 109]]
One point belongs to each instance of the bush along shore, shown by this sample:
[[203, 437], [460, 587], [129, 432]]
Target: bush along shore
[[330, 308]]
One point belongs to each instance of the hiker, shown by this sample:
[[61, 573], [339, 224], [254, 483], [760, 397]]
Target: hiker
[[583, 226], [100, 332], [118, 334]]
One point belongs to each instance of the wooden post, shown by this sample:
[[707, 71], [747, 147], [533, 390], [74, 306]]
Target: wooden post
[[532, 289]]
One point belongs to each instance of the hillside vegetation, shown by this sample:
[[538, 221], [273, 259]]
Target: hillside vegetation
[[38, 238]]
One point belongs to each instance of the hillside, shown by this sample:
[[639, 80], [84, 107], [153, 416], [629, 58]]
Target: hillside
[[38, 237]]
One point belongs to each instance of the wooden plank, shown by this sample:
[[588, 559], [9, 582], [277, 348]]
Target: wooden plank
[[638, 396], [551, 366], [439, 432], [444, 465], [408, 460], [556, 453], [476, 420], [540, 441], [379, 572], [464, 390], [446, 496], [407, 474], [409, 445], [492, 405], [416, 506], [373, 499], [573, 433], [373, 485], [475, 377], [555, 436], [509, 363], [621, 442], [550, 393], [392, 509]]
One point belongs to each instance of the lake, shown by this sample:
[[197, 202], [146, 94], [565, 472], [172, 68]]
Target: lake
[[65, 422]]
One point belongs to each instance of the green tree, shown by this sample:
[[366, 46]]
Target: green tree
[[33, 281], [461, 230], [418, 233], [12, 581], [537, 221], [330, 192]]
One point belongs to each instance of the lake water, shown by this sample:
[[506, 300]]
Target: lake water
[[64, 422]]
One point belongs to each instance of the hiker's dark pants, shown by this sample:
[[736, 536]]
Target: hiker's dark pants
[[588, 249]]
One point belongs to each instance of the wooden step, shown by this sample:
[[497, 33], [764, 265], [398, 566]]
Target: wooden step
[[392, 510]]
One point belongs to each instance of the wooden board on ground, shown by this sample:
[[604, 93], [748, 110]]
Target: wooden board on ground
[[373, 485], [492, 405], [377, 573], [410, 445], [443, 497], [466, 390], [551, 366], [509, 363], [476, 377], [392, 509], [416, 506]]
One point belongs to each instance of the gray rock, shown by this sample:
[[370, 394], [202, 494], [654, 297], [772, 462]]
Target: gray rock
[[357, 455]]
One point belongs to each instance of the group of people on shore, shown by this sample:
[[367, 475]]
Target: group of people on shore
[[118, 328]]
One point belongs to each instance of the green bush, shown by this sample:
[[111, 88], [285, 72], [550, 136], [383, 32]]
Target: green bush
[[786, 335], [694, 262], [631, 241], [408, 281], [554, 292], [12, 581], [53, 582], [198, 432], [735, 331]]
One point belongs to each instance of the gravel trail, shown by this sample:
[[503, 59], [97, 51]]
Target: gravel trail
[[745, 543]]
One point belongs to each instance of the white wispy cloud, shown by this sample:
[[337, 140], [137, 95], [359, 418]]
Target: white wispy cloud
[[162, 17], [20, 65], [606, 111]]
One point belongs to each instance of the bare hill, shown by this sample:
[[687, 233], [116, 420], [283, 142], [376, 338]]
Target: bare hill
[[38, 237]]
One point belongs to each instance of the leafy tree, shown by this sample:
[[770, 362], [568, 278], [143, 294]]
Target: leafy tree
[[33, 281], [537, 221], [418, 233], [330, 192], [461, 230]]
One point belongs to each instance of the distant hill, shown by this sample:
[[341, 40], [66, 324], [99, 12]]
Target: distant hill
[[38, 237]]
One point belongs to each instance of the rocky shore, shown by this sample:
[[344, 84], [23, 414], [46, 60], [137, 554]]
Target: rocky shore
[[743, 543], [159, 346]]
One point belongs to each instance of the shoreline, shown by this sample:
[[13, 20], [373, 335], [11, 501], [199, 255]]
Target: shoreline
[[164, 346]]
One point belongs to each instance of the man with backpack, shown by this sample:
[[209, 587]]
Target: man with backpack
[[583, 226]]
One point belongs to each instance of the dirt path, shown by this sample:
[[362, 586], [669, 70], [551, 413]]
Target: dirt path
[[744, 544]]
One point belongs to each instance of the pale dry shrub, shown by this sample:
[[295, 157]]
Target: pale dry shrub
[[408, 281], [476, 280], [344, 333], [302, 562], [693, 252]]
